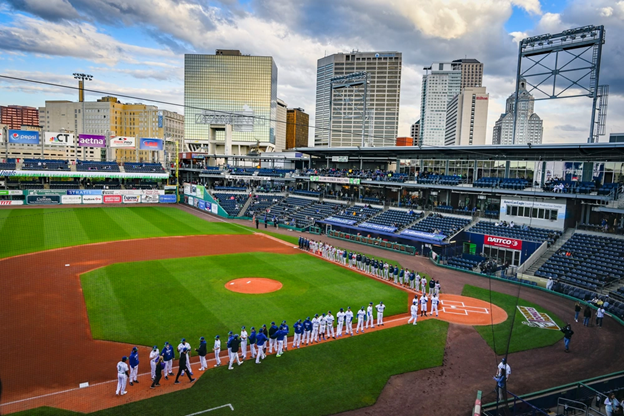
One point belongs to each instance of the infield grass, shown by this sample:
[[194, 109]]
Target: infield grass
[[523, 337], [29, 230], [150, 302], [324, 379]]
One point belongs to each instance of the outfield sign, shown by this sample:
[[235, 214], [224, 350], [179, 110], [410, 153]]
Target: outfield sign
[[11, 192], [11, 202], [187, 188], [23, 137], [91, 174], [131, 199], [123, 142], [71, 199], [331, 179], [167, 199], [536, 319], [92, 199], [112, 199], [150, 198], [150, 144], [84, 192], [43, 199], [504, 242], [59, 139], [91, 140], [199, 191]]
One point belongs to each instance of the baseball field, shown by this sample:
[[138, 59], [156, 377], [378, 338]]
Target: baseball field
[[98, 281]]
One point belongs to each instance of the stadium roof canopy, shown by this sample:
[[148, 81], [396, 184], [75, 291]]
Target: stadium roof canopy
[[613, 152]]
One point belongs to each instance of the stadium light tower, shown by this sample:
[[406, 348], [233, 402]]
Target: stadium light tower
[[81, 79]]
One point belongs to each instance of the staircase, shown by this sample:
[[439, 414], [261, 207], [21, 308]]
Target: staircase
[[551, 250], [245, 206]]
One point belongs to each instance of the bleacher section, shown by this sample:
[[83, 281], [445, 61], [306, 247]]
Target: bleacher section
[[395, 218], [230, 188], [143, 167], [306, 193], [88, 165], [231, 203], [284, 210], [465, 263], [106, 185], [274, 173], [316, 211], [530, 234], [438, 224], [64, 185], [8, 166], [357, 213], [594, 261], [45, 164], [259, 205]]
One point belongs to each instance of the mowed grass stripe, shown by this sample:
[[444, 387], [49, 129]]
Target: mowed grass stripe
[[169, 299], [24, 231]]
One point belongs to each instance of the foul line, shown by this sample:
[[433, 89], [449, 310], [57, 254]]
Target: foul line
[[214, 408]]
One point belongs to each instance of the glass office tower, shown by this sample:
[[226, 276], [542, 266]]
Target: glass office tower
[[229, 82]]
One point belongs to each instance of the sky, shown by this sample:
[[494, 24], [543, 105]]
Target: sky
[[136, 47]]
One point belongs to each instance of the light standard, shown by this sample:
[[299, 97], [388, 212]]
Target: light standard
[[81, 79]]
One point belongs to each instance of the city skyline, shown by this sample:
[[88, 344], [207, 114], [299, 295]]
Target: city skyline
[[139, 50]]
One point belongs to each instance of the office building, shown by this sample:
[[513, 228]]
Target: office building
[[441, 83], [471, 72], [218, 90], [172, 124], [466, 118], [529, 126], [339, 117], [616, 137], [415, 132], [16, 116], [298, 122], [280, 126]]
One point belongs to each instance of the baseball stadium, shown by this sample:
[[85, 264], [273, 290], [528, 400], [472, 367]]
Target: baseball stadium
[[464, 280]]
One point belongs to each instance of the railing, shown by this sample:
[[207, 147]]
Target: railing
[[372, 242]]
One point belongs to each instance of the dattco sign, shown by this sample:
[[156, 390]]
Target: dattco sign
[[504, 242]]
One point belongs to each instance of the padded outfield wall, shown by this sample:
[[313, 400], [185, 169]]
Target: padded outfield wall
[[87, 196]]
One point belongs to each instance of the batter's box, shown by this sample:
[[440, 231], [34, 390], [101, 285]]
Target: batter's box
[[464, 310], [452, 303]]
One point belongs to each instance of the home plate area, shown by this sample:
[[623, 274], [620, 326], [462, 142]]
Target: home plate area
[[459, 308], [469, 311]]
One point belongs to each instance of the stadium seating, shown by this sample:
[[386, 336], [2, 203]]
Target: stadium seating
[[514, 183], [357, 212], [143, 167], [444, 225], [64, 185], [464, 263], [231, 203], [286, 207], [317, 211], [88, 165], [529, 234], [395, 218], [487, 182], [306, 193], [230, 188], [594, 262], [45, 164], [107, 185], [7, 165], [261, 203]]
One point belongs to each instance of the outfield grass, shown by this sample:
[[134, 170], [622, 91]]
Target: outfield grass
[[28, 230], [324, 379], [523, 337], [147, 303]]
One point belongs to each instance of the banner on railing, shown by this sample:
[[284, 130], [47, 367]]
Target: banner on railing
[[340, 220], [331, 179], [421, 234], [378, 227]]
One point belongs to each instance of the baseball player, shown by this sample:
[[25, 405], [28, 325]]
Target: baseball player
[[423, 283], [234, 346], [330, 325], [423, 304], [434, 304], [344, 257], [401, 276], [411, 276], [272, 332], [287, 329], [261, 340], [386, 266], [252, 342], [217, 350], [503, 365], [360, 317], [134, 365], [184, 344], [369, 316], [122, 376], [414, 312], [202, 351], [349, 321], [417, 281], [229, 343], [380, 311], [168, 356], [437, 287], [391, 271], [243, 339], [341, 317], [183, 366], [307, 330], [359, 261], [298, 328], [316, 322], [280, 335], [374, 266], [431, 286], [396, 273], [322, 326], [153, 355]]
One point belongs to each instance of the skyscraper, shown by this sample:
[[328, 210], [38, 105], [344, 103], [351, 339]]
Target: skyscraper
[[280, 126], [466, 118], [297, 128], [440, 84], [529, 126], [415, 132], [16, 116], [339, 116], [225, 83], [471, 72]]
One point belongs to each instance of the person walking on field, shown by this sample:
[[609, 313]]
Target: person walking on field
[[217, 350], [153, 355], [587, 315], [134, 366], [414, 312], [567, 336], [158, 367], [599, 317], [235, 346], [577, 311], [183, 369], [202, 351], [122, 376]]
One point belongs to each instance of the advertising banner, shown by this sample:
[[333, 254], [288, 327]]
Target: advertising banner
[[84, 192], [23, 137], [199, 191], [123, 192], [561, 208], [187, 188], [91, 140], [201, 205], [331, 179], [71, 199], [150, 198], [340, 221], [45, 192], [421, 234], [59, 139], [537, 319], [150, 144], [191, 200], [11, 202], [92, 199], [43, 199], [1, 135], [214, 208], [131, 199], [121, 142], [170, 187], [503, 242], [378, 227], [112, 199], [167, 199], [11, 192]]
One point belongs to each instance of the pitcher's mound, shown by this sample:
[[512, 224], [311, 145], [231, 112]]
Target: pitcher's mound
[[253, 285]]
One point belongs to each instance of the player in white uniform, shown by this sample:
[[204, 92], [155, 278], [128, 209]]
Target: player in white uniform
[[385, 270], [153, 354], [369, 316], [380, 311], [316, 322], [330, 325], [423, 283], [361, 314], [243, 338], [322, 326], [437, 287], [349, 321], [417, 282], [217, 349], [341, 317], [122, 376], [414, 312], [423, 304], [434, 304]]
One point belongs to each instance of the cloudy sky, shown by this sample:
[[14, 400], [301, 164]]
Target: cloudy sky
[[136, 47]]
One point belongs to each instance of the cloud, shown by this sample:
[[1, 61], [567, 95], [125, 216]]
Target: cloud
[[53, 10], [531, 6], [569, 127], [162, 74]]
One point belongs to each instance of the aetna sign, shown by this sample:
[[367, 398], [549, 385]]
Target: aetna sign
[[503, 242]]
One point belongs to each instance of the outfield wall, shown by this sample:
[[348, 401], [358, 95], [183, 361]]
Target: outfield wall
[[197, 196], [87, 197]]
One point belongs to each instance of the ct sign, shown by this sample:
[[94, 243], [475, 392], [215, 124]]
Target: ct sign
[[503, 242], [59, 139]]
